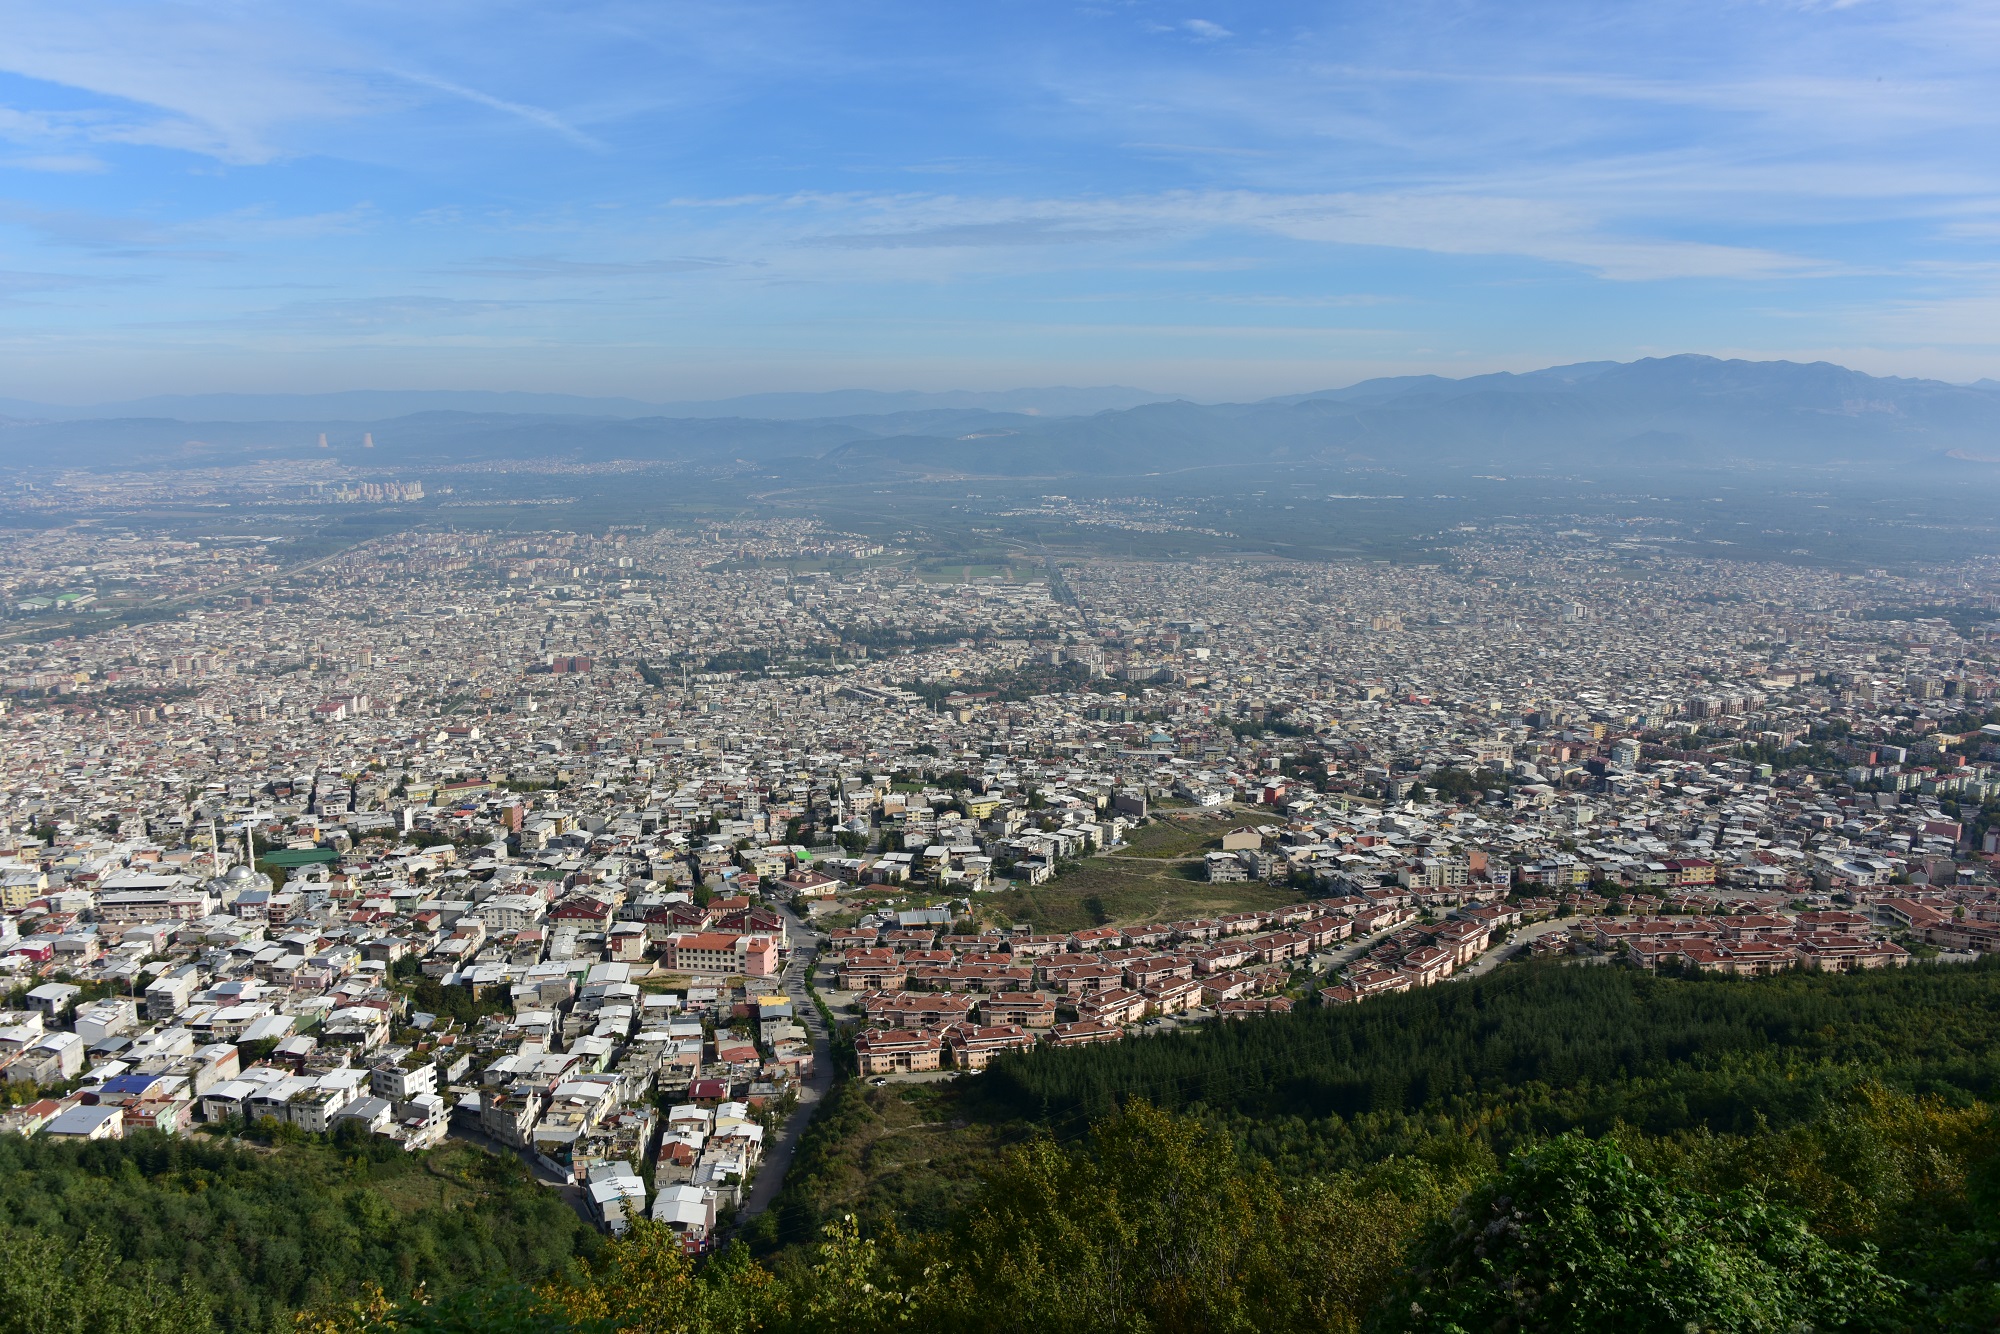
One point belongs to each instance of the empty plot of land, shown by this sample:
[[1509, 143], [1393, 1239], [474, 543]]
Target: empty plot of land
[[1103, 892]]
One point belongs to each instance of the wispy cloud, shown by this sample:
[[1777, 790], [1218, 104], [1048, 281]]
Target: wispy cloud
[[12, 282], [547, 120], [1288, 302], [349, 316], [1020, 231], [221, 236], [266, 224], [181, 76], [556, 267], [83, 230], [67, 163], [1446, 223]]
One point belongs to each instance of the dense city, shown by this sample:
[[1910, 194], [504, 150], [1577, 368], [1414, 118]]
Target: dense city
[[603, 849]]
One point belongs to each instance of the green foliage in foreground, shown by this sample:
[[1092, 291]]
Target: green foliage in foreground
[[1574, 1237], [50, 1287], [1153, 1225], [1553, 1149], [1856, 1105], [1539, 1025], [254, 1235]]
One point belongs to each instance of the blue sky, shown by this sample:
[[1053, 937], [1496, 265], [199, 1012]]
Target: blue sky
[[1219, 199]]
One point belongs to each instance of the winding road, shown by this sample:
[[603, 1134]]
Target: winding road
[[770, 1177]]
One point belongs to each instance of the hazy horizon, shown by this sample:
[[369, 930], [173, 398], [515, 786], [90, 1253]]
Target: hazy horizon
[[1125, 394]]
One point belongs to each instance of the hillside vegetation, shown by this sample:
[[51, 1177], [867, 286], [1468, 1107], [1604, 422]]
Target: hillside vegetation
[[1533, 1051], [1549, 1148], [252, 1235]]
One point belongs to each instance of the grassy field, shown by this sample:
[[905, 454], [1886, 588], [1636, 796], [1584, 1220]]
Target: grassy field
[[1188, 835], [957, 574], [1167, 840], [1106, 892], [901, 1154], [446, 1178]]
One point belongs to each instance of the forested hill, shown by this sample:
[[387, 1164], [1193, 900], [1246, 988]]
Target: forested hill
[[1534, 1051], [1857, 1110], [250, 1234]]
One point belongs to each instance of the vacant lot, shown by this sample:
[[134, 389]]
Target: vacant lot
[[450, 1177], [1187, 835], [1169, 839], [955, 574], [1106, 892], [901, 1155]]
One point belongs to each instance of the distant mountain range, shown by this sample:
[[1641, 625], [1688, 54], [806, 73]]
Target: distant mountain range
[[1660, 412], [1668, 412]]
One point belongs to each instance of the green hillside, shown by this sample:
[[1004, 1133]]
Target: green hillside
[[1550, 1147], [254, 1234]]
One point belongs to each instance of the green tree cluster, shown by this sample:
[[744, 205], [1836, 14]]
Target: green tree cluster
[[432, 996], [1574, 1238], [49, 1286], [253, 1235], [1151, 1223], [1534, 1051]]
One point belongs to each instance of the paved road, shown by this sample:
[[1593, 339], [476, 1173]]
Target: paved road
[[1347, 951], [1350, 950], [1493, 958], [778, 1160]]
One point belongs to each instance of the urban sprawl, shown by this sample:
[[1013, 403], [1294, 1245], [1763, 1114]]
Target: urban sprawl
[[586, 846]]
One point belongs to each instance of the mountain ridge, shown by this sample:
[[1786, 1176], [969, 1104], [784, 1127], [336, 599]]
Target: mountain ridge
[[1687, 410]]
